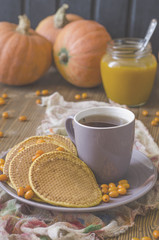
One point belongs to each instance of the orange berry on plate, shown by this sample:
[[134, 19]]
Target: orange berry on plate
[[45, 92], [1, 167], [1, 134], [39, 152], [77, 97], [123, 181], [27, 188], [112, 185], [38, 101], [40, 141], [35, 157], [105, 198], [2, 161], [29, 194], [114, 194], [3, 177], [4, 95], [112, 189], [60, 149], [22, 118], [37, 93], [84, 95], [126, 185], [122, 191], [104, 190], [20, 191], [104, 185], [5, 115], [145, 113]]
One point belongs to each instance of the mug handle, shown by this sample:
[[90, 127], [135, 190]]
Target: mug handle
[[69, 128]]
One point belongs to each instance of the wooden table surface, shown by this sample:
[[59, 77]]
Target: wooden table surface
[[22, 101]]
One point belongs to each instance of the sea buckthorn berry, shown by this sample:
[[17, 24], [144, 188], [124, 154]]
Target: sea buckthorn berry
[[20, 191], [40, 152], [126, 185], [114, 194], [84, 95], [156, 119], [45, 92], [112, 185], [155, 234], [4, 95], [157, 113], [35, 157], [146, 238], [145, 113], [123, 181], [104, 190], [40, 141], [154, 123], [29, 194], [122, 191], [77, 97], [2, 161], [27, 188], [60, 149], [1, 167], [22, 118], [3, 177], [21, 149], [112, 189], [5, 115], [105, 198], [37, 93], [2, 101], [1, 134], [104, 186], [38, 101]]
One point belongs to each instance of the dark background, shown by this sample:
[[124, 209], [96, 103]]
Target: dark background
[[122, 18]]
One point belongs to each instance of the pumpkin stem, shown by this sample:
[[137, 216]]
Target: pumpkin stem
[[24, 24], [60, 19], [63, 57]]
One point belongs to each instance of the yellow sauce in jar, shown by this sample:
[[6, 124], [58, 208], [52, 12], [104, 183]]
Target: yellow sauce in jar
[[129, 79]]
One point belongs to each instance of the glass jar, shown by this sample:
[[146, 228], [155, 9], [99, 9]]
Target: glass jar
[[127, 73]]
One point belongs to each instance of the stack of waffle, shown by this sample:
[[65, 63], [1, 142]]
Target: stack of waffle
[[56, 177]]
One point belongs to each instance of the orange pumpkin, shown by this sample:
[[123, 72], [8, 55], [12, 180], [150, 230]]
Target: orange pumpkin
[[51, 26], [78, 50], [24, 55]]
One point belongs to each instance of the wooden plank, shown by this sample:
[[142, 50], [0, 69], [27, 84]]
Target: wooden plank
[[10, 10], [145, 10], [82, 7], [113, 15], [37, 10]]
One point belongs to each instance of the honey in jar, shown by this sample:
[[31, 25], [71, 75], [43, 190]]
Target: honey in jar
[[127, 73]]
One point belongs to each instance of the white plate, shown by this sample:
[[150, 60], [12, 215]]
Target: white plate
[[141, 176]]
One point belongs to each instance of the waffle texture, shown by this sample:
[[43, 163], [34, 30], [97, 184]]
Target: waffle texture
[[20, 164], [59, 140], [62, 179]]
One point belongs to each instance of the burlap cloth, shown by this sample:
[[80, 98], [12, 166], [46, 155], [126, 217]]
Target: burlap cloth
[[23, 222]]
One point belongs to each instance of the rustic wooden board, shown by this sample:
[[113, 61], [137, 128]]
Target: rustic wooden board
[[37, 10], [10, 10]]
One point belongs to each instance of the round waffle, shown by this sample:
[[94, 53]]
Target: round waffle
[[62, 179], [56, 139], [19, 165]]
